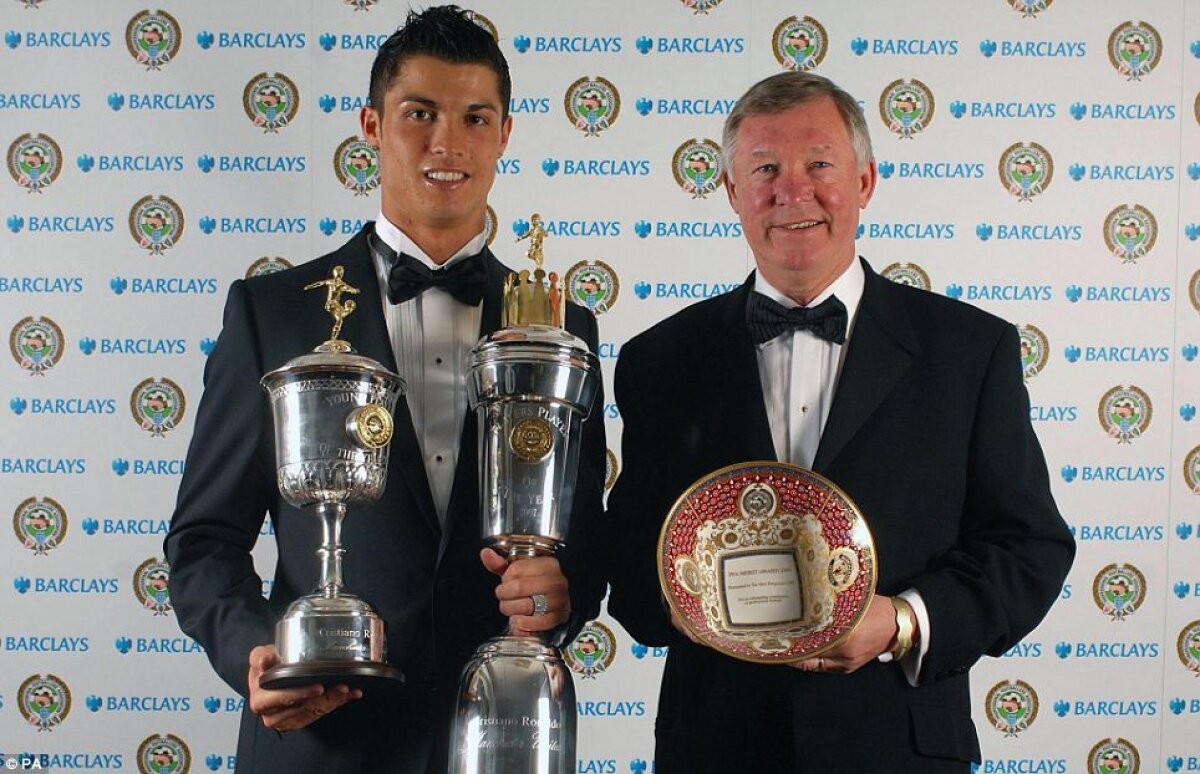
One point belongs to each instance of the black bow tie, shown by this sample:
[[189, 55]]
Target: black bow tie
[[768, 318], [464, 279]]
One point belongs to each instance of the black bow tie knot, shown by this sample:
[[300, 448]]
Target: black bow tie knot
[[464, 279], [768, 318]]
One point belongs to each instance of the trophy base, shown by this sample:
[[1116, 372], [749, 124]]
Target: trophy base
[[365, 675]]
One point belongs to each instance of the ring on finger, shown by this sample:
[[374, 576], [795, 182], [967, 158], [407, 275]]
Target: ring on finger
[[540, 604]]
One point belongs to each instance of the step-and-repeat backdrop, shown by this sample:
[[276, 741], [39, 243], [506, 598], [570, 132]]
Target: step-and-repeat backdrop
[[1037, 158]]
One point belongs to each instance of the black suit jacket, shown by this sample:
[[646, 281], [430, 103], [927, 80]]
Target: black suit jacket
[[929, 434], [424, 579]]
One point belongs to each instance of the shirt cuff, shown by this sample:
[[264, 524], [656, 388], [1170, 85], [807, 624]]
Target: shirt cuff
[[911, 663]]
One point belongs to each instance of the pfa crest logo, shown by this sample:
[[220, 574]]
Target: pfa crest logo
[[1035, 349], [1125, 413], [1130, 232], [611, 469], [1194, 290], [1118, 590], [799, 43], [360, 5], [593, 284], [163, 754], [44, 701], [356, 164], [157, 406], [1012, 706], [156, 223], [593, 650], [1029, 9], [698, 167], [36, 344], [592, 105], [489, 224], [906, 107], [153, 38], [1191, 470], [1134, 48], [1025, 170], [271, 101], [1188, 647], [267, 265], [485, 23], [907, 274], [34, 161], [1114, 756], [150, 582], [40, 524]]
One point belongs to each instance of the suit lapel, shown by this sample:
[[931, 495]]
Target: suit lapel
[[367, 330], [730, 367], [882, 347]]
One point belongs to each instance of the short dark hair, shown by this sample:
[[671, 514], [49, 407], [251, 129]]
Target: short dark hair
[[444, 32]]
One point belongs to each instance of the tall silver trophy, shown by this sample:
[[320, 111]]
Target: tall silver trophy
[[333, 422], [532, 385]]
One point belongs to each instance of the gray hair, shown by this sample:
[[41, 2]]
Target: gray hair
[[787, 90]]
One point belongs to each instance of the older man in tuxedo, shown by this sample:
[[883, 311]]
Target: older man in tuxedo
[[912, 403]]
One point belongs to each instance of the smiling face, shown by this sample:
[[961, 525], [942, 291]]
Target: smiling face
[[439, 136], [797, 188]]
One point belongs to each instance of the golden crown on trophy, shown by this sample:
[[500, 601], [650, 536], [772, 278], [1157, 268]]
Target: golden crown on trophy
[[533, 298]]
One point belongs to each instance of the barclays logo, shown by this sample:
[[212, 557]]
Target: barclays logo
[[330, 226], [689, 229], [608, 350], [1021, 766], [1184, 530], [160, 645], [1106, 708], [62, 224], [107, 346], [18, 100], [696, 106], [1034, 49], [1122, 650], [641, 651], [1187, 412], [162, 101], [1092, 354], [611, 709], [596, 167], [1024, 650], [253, 225], [207, 163], [1123, 111], [251, 40], [1125, 173], [940, 170], [1117, 474], [345, 103], [79, 585], [1023, 110], [573, 228], [529, 105], [214, 704], [163, 286], [139, 703], [691, 44], [506, 166], [1030, 232], [1060, 413], [1129, 294], [1179, 706], [65, 285], [126, 527], [578, 44], [147, 467], [59, 39], [43, 466], [352, 42], [690, 290], [906, 230], [65, 760], [43, 644], [1000, 292], [64, 406], [107, 162], [1120, 533], [904, 46]]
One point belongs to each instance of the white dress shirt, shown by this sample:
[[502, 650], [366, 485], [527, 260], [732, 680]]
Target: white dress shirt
[[432, 336], [799, 374]]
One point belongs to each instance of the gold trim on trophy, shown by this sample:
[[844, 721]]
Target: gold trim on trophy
[[533, 298], [531, 440], [370, 426], [339, 310]]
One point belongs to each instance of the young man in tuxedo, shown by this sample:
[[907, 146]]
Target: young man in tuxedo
[[429, 288], [912, 403]]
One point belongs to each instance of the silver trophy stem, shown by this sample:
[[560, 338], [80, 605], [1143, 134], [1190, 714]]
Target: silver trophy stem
[[331, 551]]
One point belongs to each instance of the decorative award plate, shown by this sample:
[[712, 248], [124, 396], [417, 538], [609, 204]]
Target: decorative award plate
[[767, 562]]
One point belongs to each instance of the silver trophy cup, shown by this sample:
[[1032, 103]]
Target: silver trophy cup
[[531, 386], [333, 421]]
